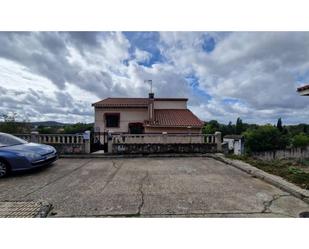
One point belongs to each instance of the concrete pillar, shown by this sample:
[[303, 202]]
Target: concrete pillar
[[218, 140], [109, 142], [34, 137], [87, 141], [110, 146], [164, 137]]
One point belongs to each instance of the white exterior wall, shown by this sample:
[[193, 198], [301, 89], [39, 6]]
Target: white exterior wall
[[235, 145], [163, 104], [230, 142], [126, 116]]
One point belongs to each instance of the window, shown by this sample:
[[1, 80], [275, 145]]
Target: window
[[136, 128], [112, 119]]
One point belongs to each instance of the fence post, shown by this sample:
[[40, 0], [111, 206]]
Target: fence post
[[164, 137], [34, 138], [87, 141], [218, 140]]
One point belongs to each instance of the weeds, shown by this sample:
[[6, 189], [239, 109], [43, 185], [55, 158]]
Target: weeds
[[289, 169]]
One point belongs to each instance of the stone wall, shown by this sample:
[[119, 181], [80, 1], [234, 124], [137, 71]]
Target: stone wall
[[163, 148], [297, 153], [69, 148], [163, 138]]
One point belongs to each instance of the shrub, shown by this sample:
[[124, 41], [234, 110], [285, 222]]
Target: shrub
[[300, 140], [265, 138]]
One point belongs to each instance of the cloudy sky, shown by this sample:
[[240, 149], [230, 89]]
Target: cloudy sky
[[56, 76]]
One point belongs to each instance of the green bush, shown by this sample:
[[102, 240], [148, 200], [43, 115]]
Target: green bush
[[13, 127], [77, 128], [211, 127], [300, 140], [265, 138], [47, 130]]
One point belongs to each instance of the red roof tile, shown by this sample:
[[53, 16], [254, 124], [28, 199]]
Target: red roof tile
[[130, 102], [174, 118], [122, 102], [303, 88]]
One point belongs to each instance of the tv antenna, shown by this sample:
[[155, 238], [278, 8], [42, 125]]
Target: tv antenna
[[150, 82]]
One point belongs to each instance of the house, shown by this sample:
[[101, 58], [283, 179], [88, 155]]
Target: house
[[145, 115], [235, 143], [304, 90]]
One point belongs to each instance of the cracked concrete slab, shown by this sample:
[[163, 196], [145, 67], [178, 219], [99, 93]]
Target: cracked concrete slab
[[150, 187], [287, 204]]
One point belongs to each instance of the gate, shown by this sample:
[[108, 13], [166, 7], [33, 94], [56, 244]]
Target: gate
[[98, 141]]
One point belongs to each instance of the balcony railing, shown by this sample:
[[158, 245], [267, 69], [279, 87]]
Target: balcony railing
[[53, 138]]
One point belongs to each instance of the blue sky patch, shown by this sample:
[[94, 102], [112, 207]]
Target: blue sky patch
[[301, 79], [195, 85], [209, 44], [147, 41], [230, 101]]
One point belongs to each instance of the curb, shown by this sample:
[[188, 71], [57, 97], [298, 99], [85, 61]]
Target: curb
[[272, 179]]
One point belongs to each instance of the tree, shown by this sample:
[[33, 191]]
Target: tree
[[10, 125], [211, 127], [47, 129], [9, 117], [265, 138], [279, 125], [77, 128], [300, 140], [230, 128], [239, 126]]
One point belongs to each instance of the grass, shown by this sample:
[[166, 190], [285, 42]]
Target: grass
[[293, 170]]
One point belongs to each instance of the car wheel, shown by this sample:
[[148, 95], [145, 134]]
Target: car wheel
[[4, 168]]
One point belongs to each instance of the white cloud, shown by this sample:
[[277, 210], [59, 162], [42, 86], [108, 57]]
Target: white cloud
[[259, 69], [142, 55]]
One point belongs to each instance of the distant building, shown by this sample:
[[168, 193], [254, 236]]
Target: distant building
[[145, 115], [236, 144], [304, 90]]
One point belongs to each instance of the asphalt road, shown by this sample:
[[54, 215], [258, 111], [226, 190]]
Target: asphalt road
[[150, 187]]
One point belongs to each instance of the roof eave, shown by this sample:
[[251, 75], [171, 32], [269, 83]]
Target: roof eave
[[118, 106], [174, 126]]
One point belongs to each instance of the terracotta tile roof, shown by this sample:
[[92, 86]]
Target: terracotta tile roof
[[130, 102], [122, 102], [174, 118], [303, 88]]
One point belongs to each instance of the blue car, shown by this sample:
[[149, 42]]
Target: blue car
[[17, 154]]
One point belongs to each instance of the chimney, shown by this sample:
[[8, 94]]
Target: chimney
[[151, 107], [151, 102]]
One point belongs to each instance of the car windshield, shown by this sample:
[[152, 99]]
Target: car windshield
[[10, 140]]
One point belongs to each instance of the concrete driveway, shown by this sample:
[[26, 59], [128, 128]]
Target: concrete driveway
[[148, 187]]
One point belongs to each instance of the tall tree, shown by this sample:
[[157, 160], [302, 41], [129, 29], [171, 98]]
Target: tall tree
[[230, 128], [279, 125], [239, 126]]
